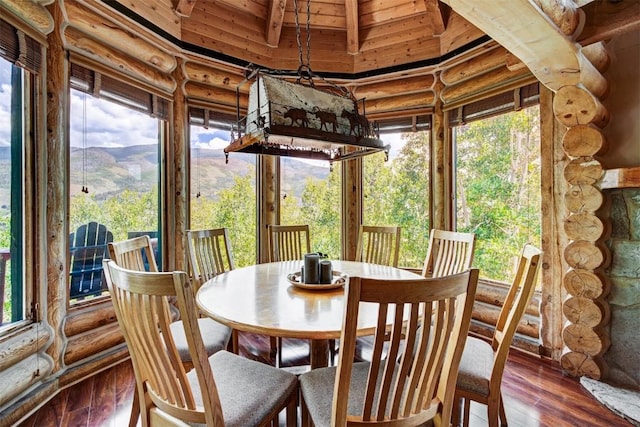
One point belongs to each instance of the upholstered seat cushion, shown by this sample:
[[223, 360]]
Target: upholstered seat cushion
[[215, 336], [475, 366], [317, 390], [248, 390]]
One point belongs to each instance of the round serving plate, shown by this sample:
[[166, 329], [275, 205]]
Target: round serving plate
[[339, 280]]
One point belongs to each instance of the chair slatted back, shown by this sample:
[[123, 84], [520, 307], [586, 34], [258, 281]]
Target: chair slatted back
[[449, 252], [288, 242], [378, 245], [140, 300], [209, 253], [515, 304], [132, 254], [421, 385]]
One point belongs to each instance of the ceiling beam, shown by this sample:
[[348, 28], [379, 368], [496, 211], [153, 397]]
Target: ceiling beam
[[275, 18], [184, 8], [351, 12], [525, 31], [440, 13], [605, 20]]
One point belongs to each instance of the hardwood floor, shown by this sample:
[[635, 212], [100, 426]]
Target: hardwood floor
[[536, 393]]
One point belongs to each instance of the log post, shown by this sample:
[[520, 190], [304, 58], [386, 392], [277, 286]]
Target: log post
[[181, 175], [585, 335], [587, 314], [351, 213], [56, 215], [441, 209], [268, 200], [554, 186]]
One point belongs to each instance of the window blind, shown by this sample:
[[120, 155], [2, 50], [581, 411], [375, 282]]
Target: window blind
[[513, 100], [106, 87], [208, 118], [19, 49]]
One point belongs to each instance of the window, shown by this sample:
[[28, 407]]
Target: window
[[222, 194], [20, 62], [396, 192], [11, 180], [114, 160], [498, 187], [311, 194]]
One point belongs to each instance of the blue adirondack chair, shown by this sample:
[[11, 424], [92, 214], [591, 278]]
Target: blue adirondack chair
[[88, 249]]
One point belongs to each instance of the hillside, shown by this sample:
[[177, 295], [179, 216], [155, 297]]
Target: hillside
[[111, 169]]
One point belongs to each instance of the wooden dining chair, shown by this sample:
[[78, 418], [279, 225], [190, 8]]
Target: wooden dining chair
[[210, 255], [131, 254], [222, 389], [396, 387], [482, 364], [449, 252], [288, 242], [134, 254], [378, 245]]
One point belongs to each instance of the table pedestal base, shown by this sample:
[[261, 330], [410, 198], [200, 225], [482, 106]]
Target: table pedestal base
[[319, 354]]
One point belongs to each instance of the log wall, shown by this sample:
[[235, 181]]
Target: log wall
[[64, 344]]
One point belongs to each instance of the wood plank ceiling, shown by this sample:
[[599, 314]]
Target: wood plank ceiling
[[401, 55], [347, 37]]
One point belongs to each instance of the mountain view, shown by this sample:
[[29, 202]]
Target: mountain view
[[113, 169]]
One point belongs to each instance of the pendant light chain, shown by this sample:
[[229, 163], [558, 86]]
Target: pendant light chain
[[304, 70], [309, 34]]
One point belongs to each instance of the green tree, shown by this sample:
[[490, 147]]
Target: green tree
[[131, 210], [234, 209], [121, 213], [397, 193], [498, 188], [321, 210], [83, 209], [318, 206]]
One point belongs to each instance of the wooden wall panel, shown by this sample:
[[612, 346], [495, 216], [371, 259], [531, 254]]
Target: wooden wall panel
[[34, 14], [111, 37], [24, 374], [92, 342], [79, 42], [83, 320], [160, 12]]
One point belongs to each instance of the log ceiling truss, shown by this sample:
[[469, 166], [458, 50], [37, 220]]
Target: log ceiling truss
[[394, 54], [346, 16]]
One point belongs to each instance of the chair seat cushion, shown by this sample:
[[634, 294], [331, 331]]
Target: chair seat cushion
[[476, 366], [248, 390], [317, 385], [215, 336]]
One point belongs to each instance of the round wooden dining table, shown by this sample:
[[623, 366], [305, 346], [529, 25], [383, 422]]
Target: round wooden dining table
[[260, 299]]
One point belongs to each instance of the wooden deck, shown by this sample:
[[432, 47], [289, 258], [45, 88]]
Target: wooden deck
[[536, 393]]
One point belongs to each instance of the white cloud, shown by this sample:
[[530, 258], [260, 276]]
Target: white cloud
[[103, 123], [5, 116], [215, 143]]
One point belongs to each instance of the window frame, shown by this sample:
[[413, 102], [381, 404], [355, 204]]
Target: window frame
[[506, 102], [405, 235], [96, 81], [199, 116], [25, 56]]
